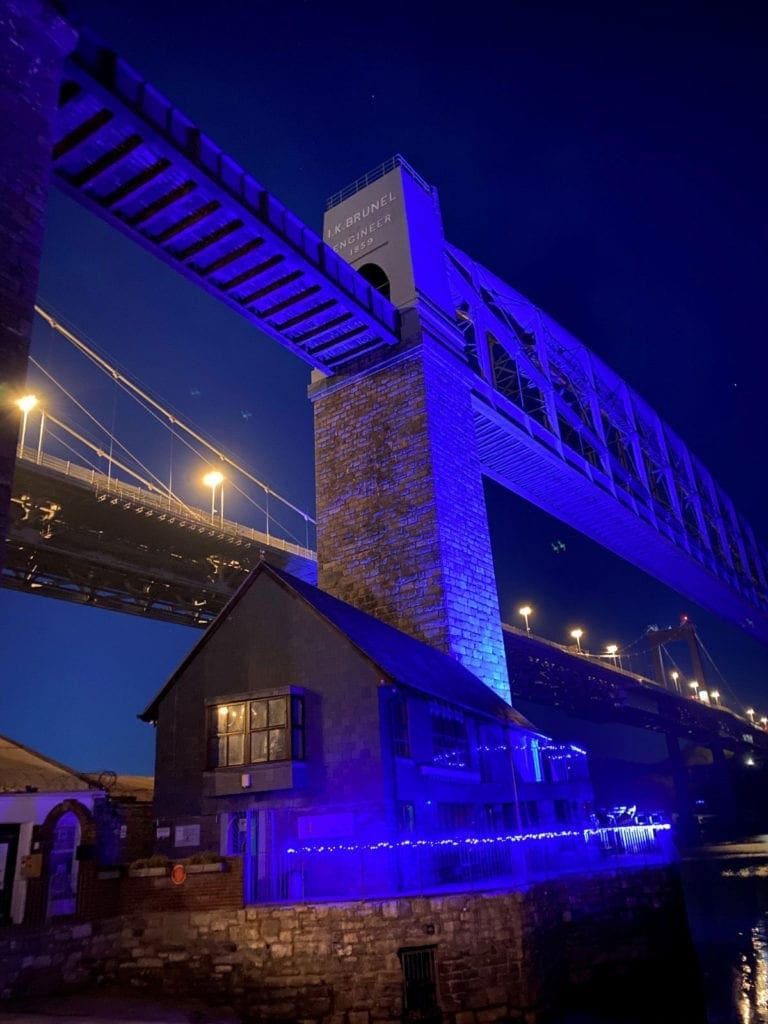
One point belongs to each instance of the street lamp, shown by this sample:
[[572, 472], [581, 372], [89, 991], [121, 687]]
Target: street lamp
[[715, 695], [675, 676], [751, 713], [26, 403], [525, 611], [611, 650], [695, 687], [577, 634], [213, 480], [764, 722]]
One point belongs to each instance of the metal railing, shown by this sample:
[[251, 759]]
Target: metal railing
[[105, 486], [337, 870]]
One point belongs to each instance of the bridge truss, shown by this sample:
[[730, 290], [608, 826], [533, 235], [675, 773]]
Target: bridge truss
[[554, 423]]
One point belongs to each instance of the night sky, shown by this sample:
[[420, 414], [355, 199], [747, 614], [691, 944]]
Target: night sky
[[611, 166]]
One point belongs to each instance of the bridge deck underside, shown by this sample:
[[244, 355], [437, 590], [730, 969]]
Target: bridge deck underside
[[522, 465], [124, 152], [90, 545]]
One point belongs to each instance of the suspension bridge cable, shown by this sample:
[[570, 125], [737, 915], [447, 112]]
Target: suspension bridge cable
[[159, 485], [104, 455], [172, 418]]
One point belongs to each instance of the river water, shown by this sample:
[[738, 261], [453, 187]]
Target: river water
[[726, 896]]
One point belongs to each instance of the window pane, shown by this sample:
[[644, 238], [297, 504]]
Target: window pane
[[277, 751], [235, 717], [258, 747], [258, 714], [235, 749], [277, 711], [220, 719]]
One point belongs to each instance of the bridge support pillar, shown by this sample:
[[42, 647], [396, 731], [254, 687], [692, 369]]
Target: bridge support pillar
[[34, 40], [402, 529]]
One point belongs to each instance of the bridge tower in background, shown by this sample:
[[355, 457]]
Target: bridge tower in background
[[34, 40], [402, 524]]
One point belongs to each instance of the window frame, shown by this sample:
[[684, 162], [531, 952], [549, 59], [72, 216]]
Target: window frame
[[282, 733]]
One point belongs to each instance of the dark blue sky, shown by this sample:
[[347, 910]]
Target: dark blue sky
[[610, 166]]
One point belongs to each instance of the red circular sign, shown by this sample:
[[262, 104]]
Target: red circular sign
[[178, 874]]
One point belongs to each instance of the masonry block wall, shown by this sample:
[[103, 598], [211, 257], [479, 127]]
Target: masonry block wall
[[498, 956], [33, 42], [401, 519]]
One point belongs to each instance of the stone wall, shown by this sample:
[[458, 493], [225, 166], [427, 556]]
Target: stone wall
[[402, 527], [498, 956], [33, 40]]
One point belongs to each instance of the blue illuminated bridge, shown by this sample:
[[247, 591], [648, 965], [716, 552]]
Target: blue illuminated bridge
[[554, 424]]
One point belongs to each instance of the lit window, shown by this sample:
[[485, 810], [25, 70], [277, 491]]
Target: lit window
[[256, 731]]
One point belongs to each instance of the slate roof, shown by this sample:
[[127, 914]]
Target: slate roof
[[399, 657], [23, 770]]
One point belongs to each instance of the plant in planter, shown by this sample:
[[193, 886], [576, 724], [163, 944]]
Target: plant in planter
[[204, 861], [156, 866]]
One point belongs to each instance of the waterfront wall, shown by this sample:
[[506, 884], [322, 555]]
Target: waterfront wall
[[497, 955]]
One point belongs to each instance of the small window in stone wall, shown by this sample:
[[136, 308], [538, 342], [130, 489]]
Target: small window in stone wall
[[419, 983], [450, 739], [256, 731]]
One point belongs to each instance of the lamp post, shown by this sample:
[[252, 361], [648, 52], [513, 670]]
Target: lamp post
[[611, 650], [695, 687], [715, 695], [26, 403], [525, 611], [674, 677], [213, 480], [751, 713], [577, 634]]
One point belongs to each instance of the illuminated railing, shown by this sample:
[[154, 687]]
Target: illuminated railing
[[105, 486], [337, 869]]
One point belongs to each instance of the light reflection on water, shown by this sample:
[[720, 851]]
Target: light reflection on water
[[727, 900]]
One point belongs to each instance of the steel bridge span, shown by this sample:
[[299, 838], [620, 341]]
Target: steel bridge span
[[85, 537], [553, 423]]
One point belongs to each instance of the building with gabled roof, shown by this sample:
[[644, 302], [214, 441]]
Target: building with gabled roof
[[298, 718], [52, 819]]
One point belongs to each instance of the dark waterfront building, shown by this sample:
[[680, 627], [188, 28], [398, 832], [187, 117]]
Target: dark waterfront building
[[298, 720]]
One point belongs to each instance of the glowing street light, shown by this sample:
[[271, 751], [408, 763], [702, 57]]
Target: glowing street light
[[577, 634], [751, 713], [525, 611], [764, 722], [674, 677], [213, 480], [695, 687], [26, 403], [715, 695], [611, 650]]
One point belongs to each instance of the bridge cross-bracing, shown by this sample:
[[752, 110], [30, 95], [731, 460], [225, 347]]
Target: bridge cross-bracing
[[557, 426], [554, 424]]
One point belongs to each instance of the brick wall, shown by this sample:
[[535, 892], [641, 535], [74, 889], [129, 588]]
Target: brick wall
[[32, 40], [401, 518], [499, 956]]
